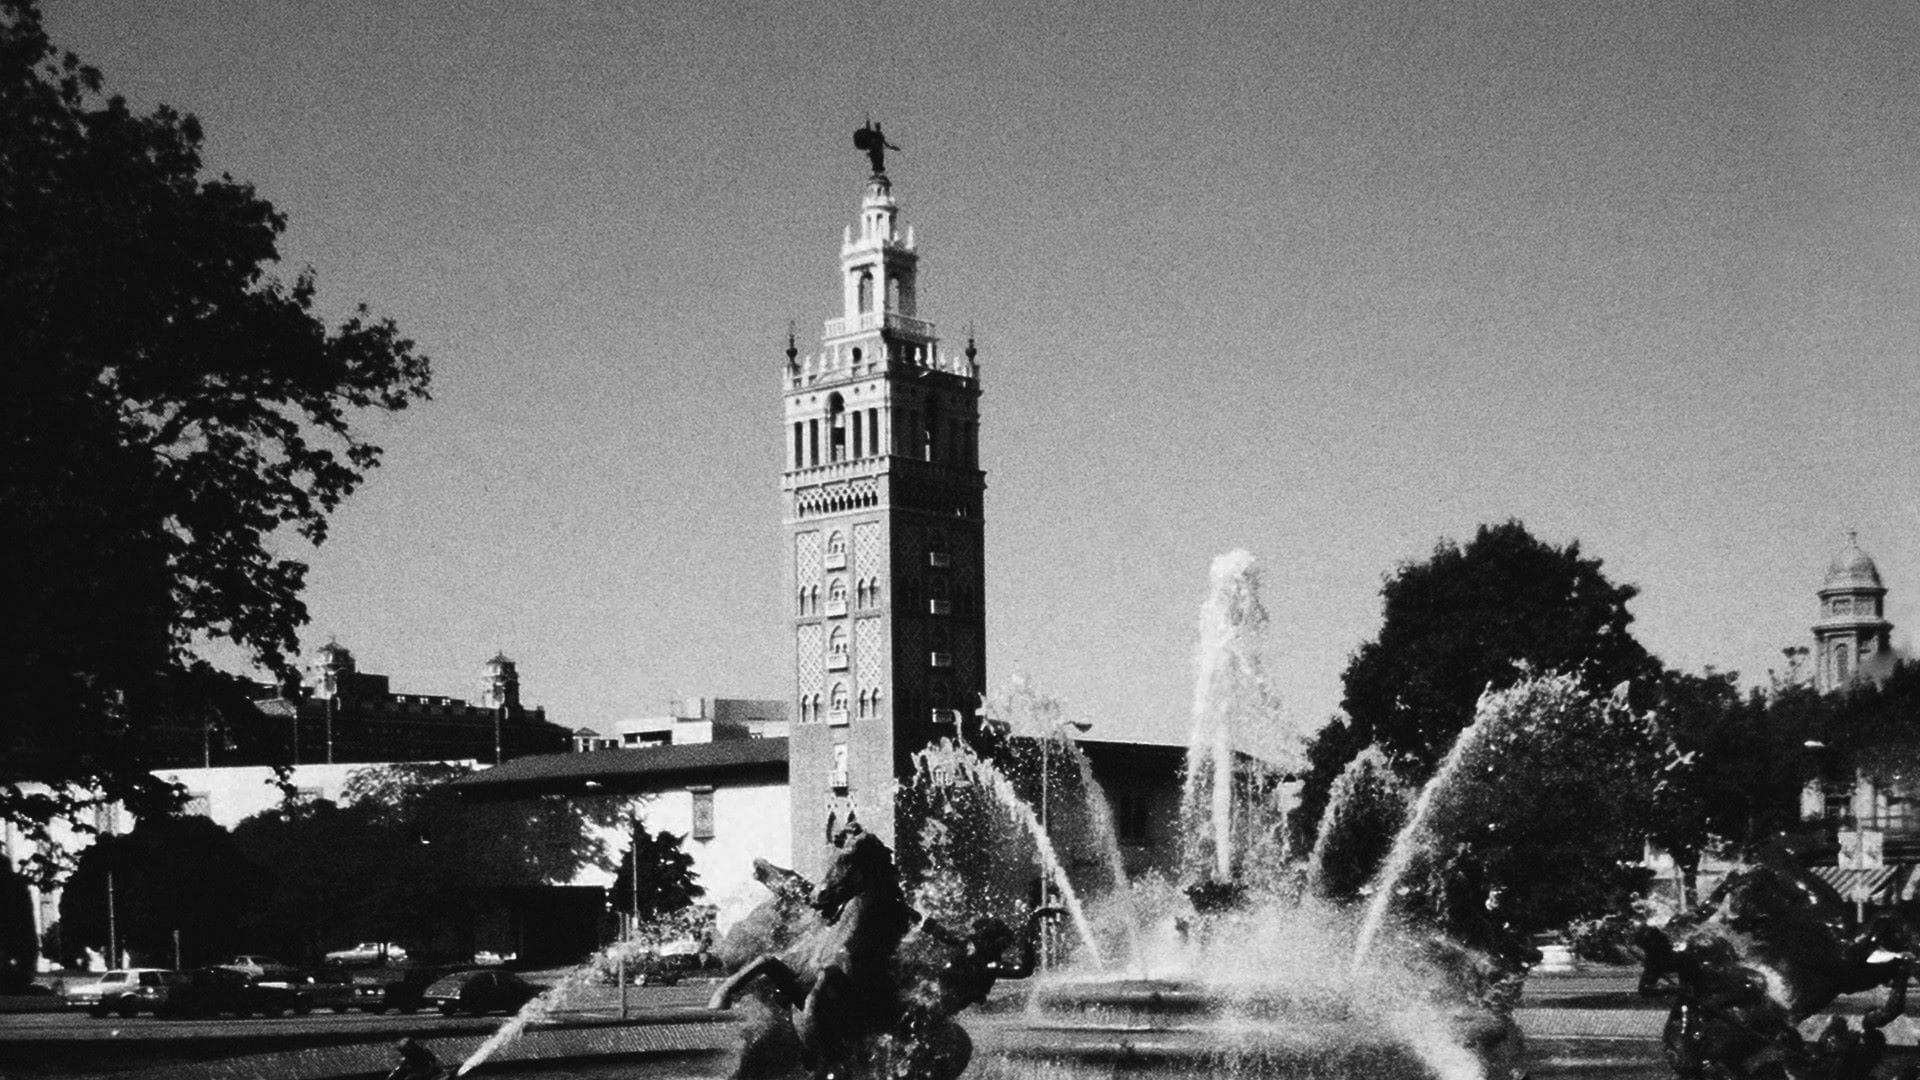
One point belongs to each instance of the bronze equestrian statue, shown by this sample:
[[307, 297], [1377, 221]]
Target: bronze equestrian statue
[[1772, 946]]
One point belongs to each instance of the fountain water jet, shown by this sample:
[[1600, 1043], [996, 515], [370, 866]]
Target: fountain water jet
[[950, 759]]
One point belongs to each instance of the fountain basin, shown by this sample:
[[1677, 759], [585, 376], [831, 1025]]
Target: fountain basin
[[1131, 1027]]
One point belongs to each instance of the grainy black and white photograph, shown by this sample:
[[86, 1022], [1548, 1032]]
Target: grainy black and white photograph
[[995, 540]]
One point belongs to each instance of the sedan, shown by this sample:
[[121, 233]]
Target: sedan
[[214, 990], [479, 992]]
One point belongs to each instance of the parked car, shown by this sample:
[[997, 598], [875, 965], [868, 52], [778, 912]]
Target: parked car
[[126, 991], [400, 988], [367, 952], [478, 992], [329, 988], [210, 991], [254, 963]]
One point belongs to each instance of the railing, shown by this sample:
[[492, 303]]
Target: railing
[[837, 661], [837, 607], [935, 607], [940, 659], [837, 717], [874, 320], [836, 560], [838, 779], [939, 559]]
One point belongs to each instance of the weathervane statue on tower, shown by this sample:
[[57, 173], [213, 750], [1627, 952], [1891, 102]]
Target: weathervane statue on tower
[[869, 139]]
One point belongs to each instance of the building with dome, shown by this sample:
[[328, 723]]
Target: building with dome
[[1852, 638]]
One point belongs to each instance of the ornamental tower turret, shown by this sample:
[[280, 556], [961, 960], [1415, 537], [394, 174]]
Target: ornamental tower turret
[[1851, 640], [884, 551]]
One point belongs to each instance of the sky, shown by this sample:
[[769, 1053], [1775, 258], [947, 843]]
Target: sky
[[1326, 281]]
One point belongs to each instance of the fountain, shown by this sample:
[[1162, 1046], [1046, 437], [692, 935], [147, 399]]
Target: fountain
[[1246, 975]]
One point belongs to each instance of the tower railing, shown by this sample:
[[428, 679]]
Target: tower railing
[[876, 320]]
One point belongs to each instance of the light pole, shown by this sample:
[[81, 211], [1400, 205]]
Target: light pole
[[1065, 728]]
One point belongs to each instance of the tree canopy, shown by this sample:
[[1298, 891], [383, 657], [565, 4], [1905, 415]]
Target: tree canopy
[[655, 868], [174, 412], [1468, 619]]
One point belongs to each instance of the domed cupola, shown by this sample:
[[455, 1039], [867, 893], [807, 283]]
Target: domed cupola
[[1852, 637], [1852, 568]]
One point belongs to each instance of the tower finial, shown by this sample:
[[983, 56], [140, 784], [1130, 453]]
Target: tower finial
[[793, 350], [868, 138]]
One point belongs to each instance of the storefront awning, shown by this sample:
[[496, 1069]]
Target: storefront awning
[[1873, 886]]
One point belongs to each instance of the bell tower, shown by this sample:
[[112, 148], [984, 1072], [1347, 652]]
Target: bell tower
[[884, 554]]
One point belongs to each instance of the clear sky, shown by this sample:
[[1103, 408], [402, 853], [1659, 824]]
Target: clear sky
[[1329, 281]]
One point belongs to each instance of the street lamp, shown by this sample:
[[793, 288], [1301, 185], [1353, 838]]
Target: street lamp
[[1066, 728]]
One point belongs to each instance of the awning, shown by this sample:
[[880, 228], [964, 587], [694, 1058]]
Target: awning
[[1874, 886]]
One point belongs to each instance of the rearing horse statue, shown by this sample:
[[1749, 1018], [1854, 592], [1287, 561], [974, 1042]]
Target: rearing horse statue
[[1769, 948], [840, 977]]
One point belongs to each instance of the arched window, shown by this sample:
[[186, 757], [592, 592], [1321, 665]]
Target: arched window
[[833, 825], [837, 592], [836, 428], [1842, 663], [837, 699], [836, 543], [860, 594], [864, 302], [813, 600], [800, 601], [837, 642], [893, 294], [929, 424]]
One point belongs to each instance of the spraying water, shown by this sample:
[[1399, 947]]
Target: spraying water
[[1110, 842], [1412, 834], [1231, 703], [951, 760], [555, 997]]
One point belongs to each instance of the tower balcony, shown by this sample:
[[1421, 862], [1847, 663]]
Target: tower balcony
[[872, 465], [879, 320], [836, 661]]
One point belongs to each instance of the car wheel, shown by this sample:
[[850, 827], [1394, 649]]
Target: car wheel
[[98, 1012], [339, 1010], [127, 1010], [448, 1008]]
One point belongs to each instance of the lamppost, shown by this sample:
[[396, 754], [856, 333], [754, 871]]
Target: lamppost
[[1066, 729]]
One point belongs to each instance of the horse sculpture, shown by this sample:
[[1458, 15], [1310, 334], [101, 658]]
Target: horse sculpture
[[1769, 948], [840, 976]]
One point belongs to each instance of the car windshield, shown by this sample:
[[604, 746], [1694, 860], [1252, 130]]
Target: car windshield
[[114, 977]]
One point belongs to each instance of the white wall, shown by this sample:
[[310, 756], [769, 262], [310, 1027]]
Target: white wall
[[748, 822]]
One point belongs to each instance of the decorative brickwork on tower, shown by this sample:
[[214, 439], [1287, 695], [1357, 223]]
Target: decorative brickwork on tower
[[885, 552]]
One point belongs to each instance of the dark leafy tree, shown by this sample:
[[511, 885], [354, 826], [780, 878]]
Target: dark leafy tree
[[1550, 804], [19, 951], [656, 871], [173, 414], [1366, 810], [169, 874], [1471, 618], [403, 858], [1743, 761]]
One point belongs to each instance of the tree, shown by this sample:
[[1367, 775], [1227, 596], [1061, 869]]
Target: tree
[[19, 950], [1468, 619], [660, 873], [170, 874], [1551, 799], [404, 858], [1743, 760], [1366, 810], [173, 411]]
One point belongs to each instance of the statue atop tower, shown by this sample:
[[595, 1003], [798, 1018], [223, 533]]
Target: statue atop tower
[[868, 138]]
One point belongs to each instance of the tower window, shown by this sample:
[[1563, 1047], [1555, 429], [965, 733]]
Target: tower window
[[1842, 663], [836, 428], [864, 298]]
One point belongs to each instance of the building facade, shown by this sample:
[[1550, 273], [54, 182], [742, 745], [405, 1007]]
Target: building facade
[[884, 545], [347, 715]]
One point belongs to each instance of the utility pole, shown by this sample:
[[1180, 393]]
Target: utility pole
[[113, 926]]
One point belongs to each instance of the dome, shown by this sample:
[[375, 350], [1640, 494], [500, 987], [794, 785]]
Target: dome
[[1852, 569]]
